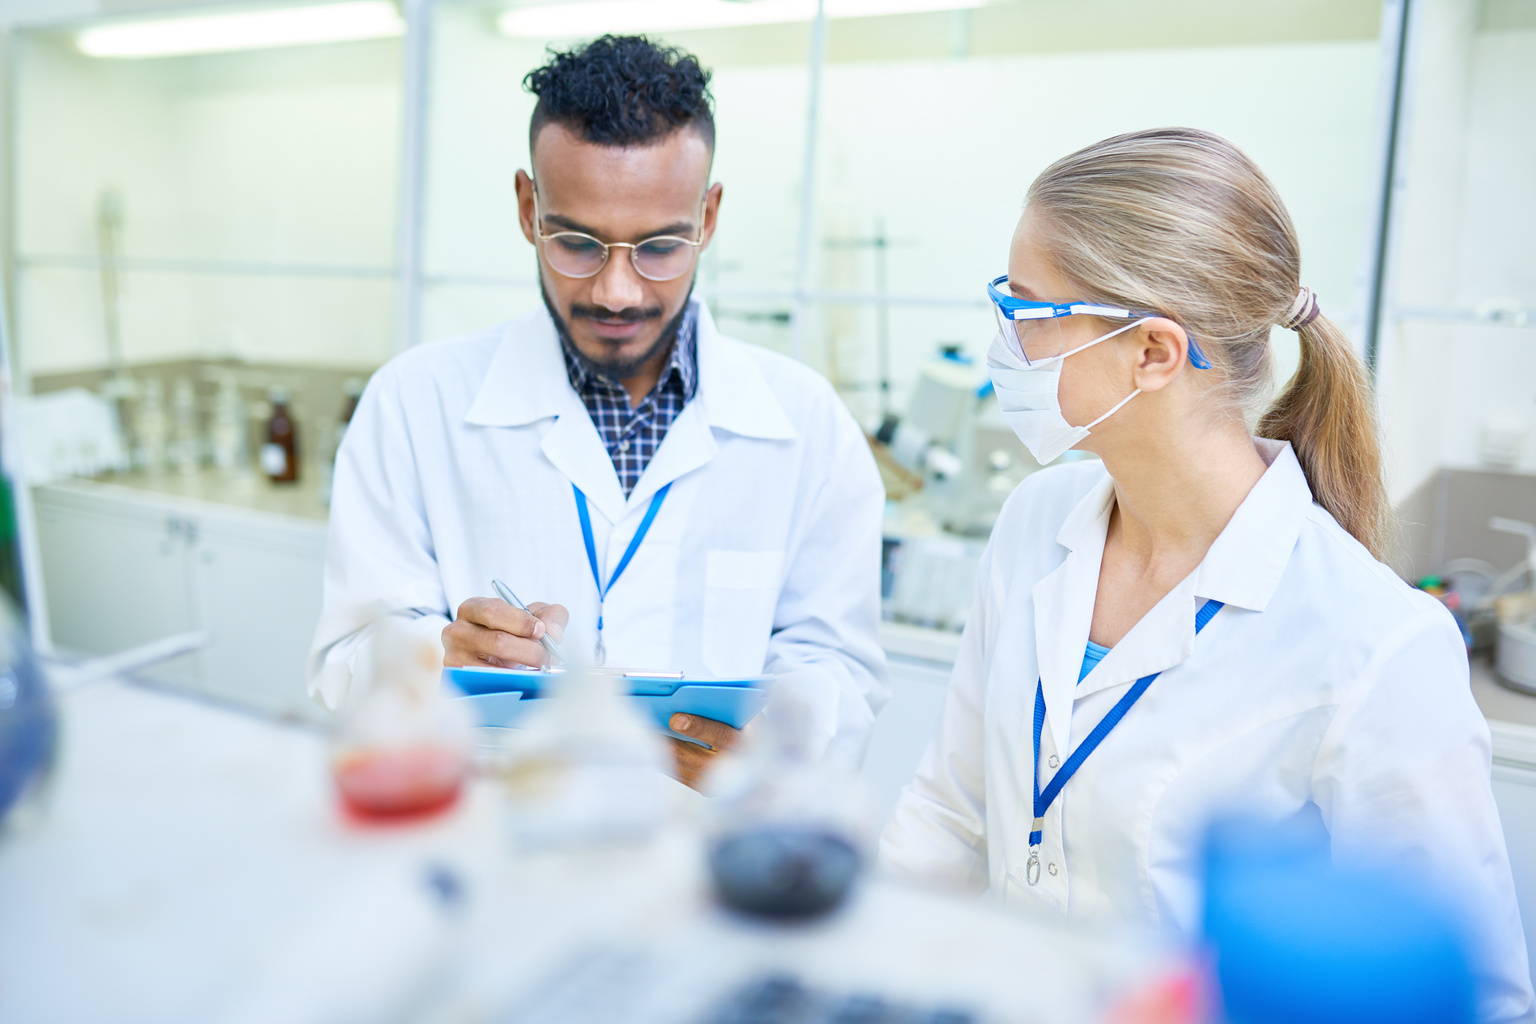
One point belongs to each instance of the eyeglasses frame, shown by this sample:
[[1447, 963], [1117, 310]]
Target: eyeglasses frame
[[608, 247]]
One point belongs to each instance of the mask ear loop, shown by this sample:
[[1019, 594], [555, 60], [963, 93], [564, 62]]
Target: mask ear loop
[[1118, 406], [1102, 337], [1121, 404]]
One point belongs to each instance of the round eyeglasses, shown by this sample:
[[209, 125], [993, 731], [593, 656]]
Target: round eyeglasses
[[577, 254]]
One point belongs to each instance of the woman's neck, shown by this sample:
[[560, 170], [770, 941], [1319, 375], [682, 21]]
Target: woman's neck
[[1175, 494]]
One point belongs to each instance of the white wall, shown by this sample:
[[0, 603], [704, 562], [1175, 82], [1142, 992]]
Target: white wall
[[274, 158], [1468, 212]]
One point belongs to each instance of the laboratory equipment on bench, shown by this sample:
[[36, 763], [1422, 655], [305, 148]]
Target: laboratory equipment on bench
[[186, 444], [955, 441], [280, 453], [227, 430], [352, 391], [405, 748], [791, 831], [153, 428], [1515, 654]]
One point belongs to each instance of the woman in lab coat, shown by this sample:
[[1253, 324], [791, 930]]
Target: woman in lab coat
[[1224, 591]]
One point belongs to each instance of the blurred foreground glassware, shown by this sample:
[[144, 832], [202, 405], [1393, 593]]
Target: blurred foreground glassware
[[791, 830], [583, 768], [1298, 938], [403, 749], [28, 724]]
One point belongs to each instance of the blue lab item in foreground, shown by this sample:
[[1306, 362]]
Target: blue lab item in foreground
[[1299, 939], [28, 725], [499, 696]]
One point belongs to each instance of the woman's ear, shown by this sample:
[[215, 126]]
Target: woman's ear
[[1161, 349]]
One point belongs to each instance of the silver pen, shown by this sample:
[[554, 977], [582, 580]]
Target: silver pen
[[511, 599]]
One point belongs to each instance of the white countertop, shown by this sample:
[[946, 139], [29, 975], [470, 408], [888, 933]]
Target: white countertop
[[252, 491], [192, 866]]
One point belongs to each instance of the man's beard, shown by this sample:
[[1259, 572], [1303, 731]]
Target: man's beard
[[614, 369]]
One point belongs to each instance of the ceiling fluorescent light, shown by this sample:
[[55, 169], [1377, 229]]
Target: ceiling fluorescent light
[[593, 17], [246, 30]]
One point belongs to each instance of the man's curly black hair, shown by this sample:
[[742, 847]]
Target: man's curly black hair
[[622, 91]]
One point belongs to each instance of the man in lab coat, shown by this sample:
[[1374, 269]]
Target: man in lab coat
[[615, 421]]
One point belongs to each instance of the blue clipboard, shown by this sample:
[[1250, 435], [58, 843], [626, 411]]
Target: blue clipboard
[[500, 696]]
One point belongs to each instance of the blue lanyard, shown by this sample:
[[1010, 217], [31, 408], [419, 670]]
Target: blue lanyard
[[1043, 800], [599, 652]]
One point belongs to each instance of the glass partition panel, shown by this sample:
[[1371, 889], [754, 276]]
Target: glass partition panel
[[934, 125], [1458, 359]]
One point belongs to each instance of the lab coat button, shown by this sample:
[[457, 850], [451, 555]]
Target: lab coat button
[[1054, 761], [1051, 868]]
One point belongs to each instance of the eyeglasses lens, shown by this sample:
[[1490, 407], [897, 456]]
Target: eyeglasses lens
[[1040, 339], [575, 255], [662, 259], [1036, 340]]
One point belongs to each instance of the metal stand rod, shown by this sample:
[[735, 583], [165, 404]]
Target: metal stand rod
[[808, 181], [415, 70], [1395, 24]]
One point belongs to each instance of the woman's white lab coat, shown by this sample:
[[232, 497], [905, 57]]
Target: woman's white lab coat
[[764, 556], [1324, 680]]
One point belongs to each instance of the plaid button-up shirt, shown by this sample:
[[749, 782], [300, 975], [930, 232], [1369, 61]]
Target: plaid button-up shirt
[[633, 435]]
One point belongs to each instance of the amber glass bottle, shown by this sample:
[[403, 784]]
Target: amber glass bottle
[[280, 455]]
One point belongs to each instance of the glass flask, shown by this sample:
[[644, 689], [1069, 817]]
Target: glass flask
[[28, 723], [583, 768], [403, 749], [791, 831]]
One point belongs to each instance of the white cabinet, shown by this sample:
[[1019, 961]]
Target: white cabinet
[[903, 728], [1514, 788], [123, 567], [115, 577]]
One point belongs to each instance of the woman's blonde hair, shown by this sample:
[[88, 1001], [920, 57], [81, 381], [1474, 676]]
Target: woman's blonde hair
[[1181, 222]]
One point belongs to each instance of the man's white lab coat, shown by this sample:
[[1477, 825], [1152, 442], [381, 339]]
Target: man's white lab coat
[[1325, 679], [764, 557]]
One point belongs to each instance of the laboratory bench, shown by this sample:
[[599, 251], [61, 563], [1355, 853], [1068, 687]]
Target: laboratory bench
[[191, 864]]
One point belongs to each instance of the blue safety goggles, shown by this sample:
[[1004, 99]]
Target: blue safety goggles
[[1034, 330]]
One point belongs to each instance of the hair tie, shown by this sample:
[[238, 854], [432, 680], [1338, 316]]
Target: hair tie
[[1304, 310]]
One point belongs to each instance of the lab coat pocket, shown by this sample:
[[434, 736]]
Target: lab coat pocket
[[741, 591]]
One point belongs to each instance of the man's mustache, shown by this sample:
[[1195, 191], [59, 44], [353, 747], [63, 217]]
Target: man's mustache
[[632, 315]]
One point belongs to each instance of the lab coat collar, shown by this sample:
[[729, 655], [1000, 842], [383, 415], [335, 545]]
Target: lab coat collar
[[527, 382], [732, 389], [1242, 569]]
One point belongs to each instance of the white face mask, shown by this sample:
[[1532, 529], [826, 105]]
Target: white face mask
[[1029, 394]]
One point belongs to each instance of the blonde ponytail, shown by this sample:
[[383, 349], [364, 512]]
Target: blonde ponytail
[[1181, 222], [1327, 412]]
